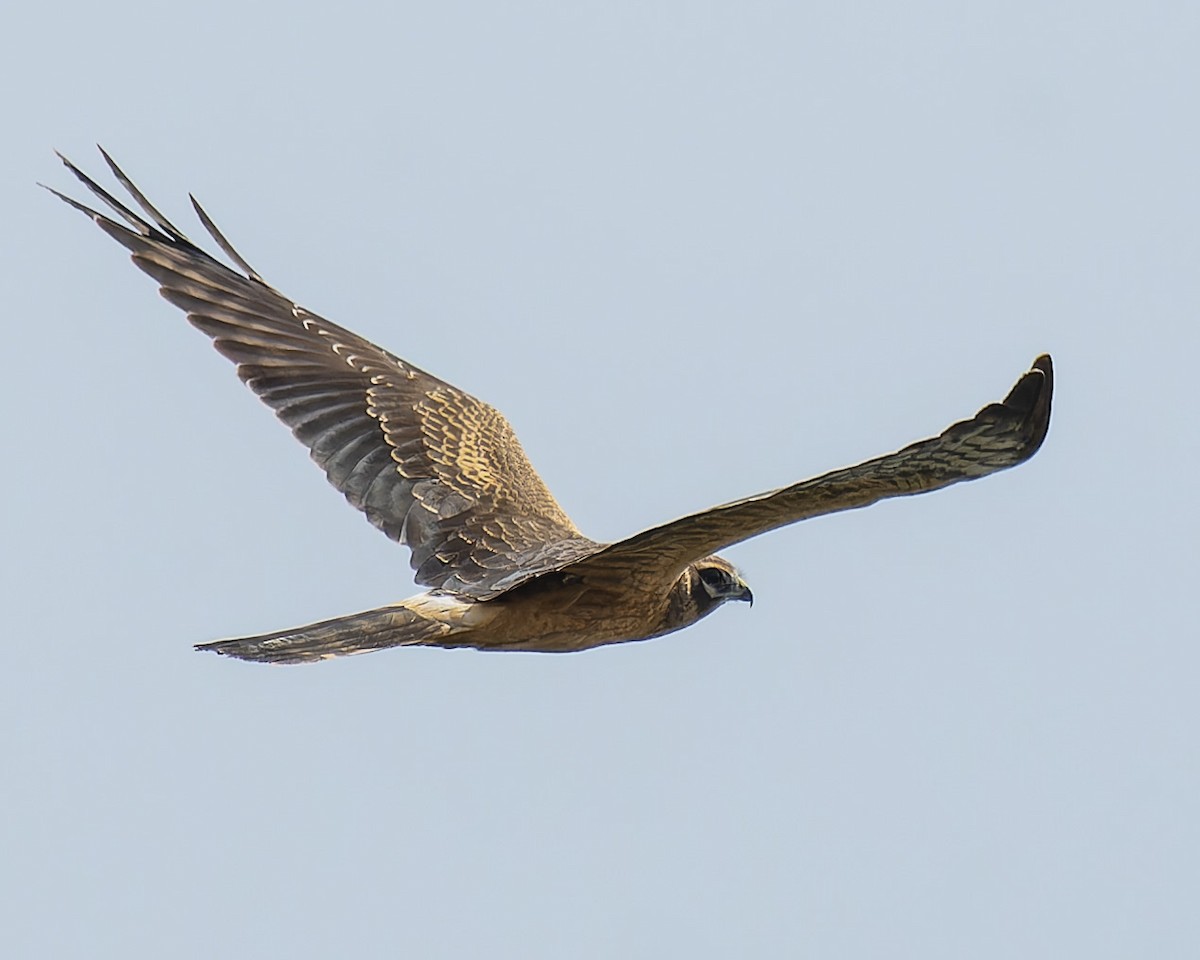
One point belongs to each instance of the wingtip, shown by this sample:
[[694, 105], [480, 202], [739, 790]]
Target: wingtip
[[1046, 365], [1027, 406], [112, 164], [1032, 397], [79, 174], [1034, 387], [71, 165], [72, 202], [221, 242]]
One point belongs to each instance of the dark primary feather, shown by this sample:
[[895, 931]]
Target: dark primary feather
[[428, 464]]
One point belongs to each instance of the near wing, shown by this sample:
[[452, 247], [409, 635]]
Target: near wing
[[430, 466], [999, 436]]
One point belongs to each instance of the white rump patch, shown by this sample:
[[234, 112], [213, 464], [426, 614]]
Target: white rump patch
[[452, 611]]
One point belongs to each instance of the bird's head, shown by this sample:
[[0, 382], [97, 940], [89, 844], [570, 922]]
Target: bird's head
[[717, 580]]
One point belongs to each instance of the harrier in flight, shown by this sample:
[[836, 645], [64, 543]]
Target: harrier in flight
[[443, 473]]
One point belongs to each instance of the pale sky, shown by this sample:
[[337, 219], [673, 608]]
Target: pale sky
[[693, 251]]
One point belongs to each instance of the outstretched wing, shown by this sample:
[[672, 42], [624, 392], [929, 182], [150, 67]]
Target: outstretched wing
[[430, 466], [999, 436]]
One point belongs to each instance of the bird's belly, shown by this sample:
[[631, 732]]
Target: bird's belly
[[550, 625]]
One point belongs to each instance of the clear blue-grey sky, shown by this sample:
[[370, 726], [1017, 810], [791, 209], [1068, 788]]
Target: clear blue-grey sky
[[694, 251]]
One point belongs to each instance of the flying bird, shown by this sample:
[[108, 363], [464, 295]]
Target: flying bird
[[443, 473]]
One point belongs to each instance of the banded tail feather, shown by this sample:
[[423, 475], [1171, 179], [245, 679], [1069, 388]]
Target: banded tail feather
[[396, 625]]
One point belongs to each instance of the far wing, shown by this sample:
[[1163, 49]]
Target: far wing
[[429, 465], [1001, 435]]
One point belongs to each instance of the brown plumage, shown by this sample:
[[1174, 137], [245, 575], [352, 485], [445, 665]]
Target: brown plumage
[[444, 474]]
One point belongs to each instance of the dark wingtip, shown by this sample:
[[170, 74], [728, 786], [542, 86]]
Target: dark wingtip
[[1046, 365], [1031, 399], [71, 166], [116, 206], [79, 174], [1027, 407], [224, 244], [157, 228], [1035, 382], [72, 202], [222, 648]]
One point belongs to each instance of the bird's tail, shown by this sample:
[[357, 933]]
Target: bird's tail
[[396, 625]]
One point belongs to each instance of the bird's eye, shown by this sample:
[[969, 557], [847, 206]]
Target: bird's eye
[[712, 577]]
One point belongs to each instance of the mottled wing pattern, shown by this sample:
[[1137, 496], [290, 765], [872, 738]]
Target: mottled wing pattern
[[429, 465], [1001, 435]]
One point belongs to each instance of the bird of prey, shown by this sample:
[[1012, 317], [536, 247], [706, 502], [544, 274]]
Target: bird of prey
[[443, 473]]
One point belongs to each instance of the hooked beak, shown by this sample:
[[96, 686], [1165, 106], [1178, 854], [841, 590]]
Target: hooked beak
[[746, 595]]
